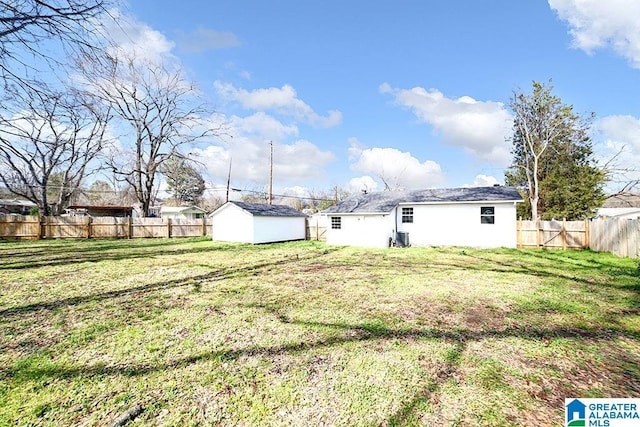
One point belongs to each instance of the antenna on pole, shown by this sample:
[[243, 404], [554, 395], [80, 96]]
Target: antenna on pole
[[271, 174]]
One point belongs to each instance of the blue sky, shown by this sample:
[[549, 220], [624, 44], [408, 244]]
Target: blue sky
[[411, 93]]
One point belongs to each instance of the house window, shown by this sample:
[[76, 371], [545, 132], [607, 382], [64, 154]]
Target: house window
[[407, 215], [487, 215], [336, 223]]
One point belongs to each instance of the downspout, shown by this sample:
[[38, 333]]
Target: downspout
[[395, 232]]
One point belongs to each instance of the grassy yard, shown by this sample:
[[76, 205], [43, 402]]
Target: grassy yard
[[304, 334]]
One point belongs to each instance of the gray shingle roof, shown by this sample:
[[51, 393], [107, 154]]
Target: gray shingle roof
[[259, 209], [385, 201], [623, 201]]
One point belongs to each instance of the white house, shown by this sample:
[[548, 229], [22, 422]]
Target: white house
[[477, 217], [182, 212], [257, 223], [623, 206]]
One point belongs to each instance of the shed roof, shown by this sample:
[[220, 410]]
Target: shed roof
[[385, 201], [101, 207], [260, 209]]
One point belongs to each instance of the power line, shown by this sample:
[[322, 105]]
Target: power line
[[116, 192]]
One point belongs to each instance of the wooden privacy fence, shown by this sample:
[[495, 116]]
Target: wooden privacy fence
[[34, 227], [553, 234], [618, 236], [316, 230]]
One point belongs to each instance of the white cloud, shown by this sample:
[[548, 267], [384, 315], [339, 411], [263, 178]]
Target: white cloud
[[596, 24], [277, 115], [480, 127], [396, 168], [262, 124], [296, 191], [361, 184], [355, 148], [136, 39], [620, 137], [282, 100], [300, 161], [249, 151], [203, 39], [483, 181]]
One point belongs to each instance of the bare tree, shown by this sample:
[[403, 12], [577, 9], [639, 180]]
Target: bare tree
[[160, 107], [27, 25], [623, 178], [319, 200], [47, 149]]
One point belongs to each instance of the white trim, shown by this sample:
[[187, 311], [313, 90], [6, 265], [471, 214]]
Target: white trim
[[457, 202]]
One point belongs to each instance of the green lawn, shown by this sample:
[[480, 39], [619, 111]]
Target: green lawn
[[304, 334]]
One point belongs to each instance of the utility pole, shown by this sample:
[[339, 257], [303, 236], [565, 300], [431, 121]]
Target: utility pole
[[229, 178], [271, 173]]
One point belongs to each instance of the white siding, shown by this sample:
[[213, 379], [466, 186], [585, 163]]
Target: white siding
[[361, 230], [625, 213], [459, 225], [182, 214], [278, 229], [232, 224]]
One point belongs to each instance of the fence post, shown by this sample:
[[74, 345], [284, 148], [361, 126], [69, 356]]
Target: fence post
[[538, 233], [168, 228], [89, 221], [129, 228], [43, 227], [204, 226], [587, 242], [563, 233]]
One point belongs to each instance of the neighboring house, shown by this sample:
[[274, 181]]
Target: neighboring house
[[477, 217], [625, 206], [182, 212], [22, 207], [88, 210], [257, 223]]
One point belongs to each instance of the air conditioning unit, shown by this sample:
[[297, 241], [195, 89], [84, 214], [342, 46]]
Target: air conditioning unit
[[402, 239]]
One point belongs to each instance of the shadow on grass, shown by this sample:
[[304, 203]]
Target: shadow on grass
[[74, 252], [590, 272], [336, 334], [547, 265], [447, 370], [195, 281], [348, 333]]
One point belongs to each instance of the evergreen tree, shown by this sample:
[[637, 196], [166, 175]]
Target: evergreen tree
[[185, 183], [553, 159]]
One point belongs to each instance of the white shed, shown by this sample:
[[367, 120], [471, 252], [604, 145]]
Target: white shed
[[476, 217], [257, 223]]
